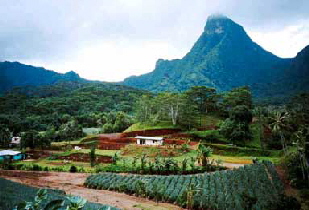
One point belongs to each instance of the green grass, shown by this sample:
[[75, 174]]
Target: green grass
[[209, 136], [204, 121], [109, 153], [54, 165], [207, 120], [255, 142], [227, 150], [145, 126], [244, 159], [92, 131], [87, 151], [191, 153], [63, 143]]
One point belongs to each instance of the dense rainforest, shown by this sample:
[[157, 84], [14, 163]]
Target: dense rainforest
[[67, 107]]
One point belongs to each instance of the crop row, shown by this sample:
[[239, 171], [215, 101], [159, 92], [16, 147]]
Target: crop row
[[254, 186]]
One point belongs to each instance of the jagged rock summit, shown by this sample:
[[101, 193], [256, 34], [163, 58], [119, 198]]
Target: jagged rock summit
[[224, 56]]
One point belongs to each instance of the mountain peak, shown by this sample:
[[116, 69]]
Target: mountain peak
[[219, 24], [224, 56], [217, 16]]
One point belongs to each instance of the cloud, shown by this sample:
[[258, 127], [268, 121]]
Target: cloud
[[110, 40]]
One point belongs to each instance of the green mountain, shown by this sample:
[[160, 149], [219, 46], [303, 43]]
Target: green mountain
[[297, 75], [293, 79], [14, 74], [223, 57]]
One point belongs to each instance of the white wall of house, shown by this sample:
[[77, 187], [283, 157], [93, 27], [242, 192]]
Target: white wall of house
[[149, 141], [15, 140]]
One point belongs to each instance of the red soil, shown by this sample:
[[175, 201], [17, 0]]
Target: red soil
[[116, 141], [157, 132], [80, 157], [72, 183], [36, 154]]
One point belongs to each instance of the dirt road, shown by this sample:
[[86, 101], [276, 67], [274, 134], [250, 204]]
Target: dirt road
[[72, 183]]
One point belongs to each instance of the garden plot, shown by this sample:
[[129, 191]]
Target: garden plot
[[254, 186]]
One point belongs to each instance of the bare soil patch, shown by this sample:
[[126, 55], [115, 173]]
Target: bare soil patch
[[37, 154], [156, 132], [81, 157], [72, 183]]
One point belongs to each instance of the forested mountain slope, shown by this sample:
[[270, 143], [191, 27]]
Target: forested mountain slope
[[14, 74], [224, 57]]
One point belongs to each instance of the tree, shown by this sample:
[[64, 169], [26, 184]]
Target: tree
[[107, 128], [203, 97], [237, 96], [241, 113], [172, 104], [30, 139], [236, 127], [262, 123], [302, 144], [122, 122], [71, 130], [5, 135], [279, 126], [146, 109]]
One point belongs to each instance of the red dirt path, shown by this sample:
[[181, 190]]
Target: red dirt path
[[72, 183]]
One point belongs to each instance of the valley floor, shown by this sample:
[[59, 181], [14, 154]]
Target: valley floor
[[72, 183]]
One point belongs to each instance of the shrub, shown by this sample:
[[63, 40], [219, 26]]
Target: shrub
[[36, 167], [73, 169]]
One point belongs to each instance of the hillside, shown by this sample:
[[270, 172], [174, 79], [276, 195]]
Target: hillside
[[14, 74], [52, 105], [293, 80], [223, 57]]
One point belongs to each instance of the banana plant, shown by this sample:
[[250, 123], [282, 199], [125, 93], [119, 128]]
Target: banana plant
[[76, 203]]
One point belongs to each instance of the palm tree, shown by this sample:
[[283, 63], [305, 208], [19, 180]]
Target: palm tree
[[203, 154], [279, 125], [301, 143]]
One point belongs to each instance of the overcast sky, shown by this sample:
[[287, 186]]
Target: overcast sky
[[110, 40]]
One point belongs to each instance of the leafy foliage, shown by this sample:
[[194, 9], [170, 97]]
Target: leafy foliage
[[251, 187], [16, 193]]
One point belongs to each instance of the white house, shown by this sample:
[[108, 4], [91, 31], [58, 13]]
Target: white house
[[15, 140], [142, 140]]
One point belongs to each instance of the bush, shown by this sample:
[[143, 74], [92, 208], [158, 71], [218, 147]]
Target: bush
[[73, 169], [289, 203], [294, 169], [36, 167], [236, 132]]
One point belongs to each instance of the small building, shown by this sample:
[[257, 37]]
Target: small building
[[143, 140], [15, 140], [77, 148], [11, 155]]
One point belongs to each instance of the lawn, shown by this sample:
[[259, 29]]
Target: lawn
[[64, 143], [92, 131], [145, 126], [109, 153], [207, 120]]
